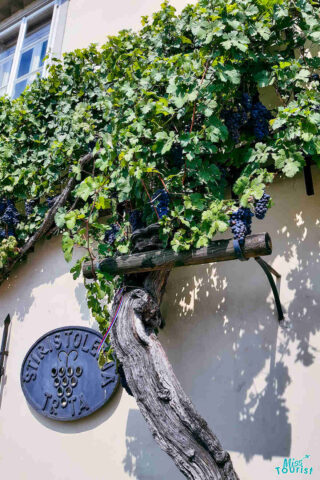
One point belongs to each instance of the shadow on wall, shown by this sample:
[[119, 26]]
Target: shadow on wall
[[43, 267], [224, 342], [144, 459]]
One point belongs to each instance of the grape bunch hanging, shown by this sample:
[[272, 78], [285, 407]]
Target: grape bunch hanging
[[29, 206], [161, 200], [9, 216], [241, 220], [111, 233], [247, 113], [261, 206]]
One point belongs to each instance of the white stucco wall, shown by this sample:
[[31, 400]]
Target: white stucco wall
[[91, 24], [255, 383]]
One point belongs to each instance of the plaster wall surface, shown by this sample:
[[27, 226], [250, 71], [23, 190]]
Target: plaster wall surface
[[91, 24], [255, 383]]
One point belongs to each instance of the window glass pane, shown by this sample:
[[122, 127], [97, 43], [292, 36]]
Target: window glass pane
[[37, 36], [19, 87], [6, 57], [6, 53], [5, 68], [25, 63], [31, 61], [43, 51]]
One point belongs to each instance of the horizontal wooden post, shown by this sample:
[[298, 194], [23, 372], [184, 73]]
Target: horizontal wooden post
[[217, 251]]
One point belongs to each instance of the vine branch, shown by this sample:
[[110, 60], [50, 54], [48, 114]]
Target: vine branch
[[47, 222]]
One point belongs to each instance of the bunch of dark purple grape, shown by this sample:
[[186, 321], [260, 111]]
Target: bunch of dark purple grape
[[10, 216], [234, 120], [3, 206], [246, 102], [161, 200], [135, 219], [110, 235], [250, 113], [240, 223], [261, 206], [29, 206], [260, 117], [177, 155]]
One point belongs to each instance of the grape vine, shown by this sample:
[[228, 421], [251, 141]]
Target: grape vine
[[182, 106]]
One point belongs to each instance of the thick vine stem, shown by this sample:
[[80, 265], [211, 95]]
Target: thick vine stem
[[174, 422], [47, 222]]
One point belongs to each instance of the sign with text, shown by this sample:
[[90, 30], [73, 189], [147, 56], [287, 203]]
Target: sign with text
[[60, 375]]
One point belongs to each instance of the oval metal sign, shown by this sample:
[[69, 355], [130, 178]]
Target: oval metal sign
[[60, 375]]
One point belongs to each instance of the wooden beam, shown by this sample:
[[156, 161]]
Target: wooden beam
[[217, 251]]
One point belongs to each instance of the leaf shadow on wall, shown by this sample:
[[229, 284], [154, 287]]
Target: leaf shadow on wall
[[41, 269], [226, 347], [216, 355]]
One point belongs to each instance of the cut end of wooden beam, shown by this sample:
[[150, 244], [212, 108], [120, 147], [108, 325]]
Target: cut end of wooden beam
[[217, 251]]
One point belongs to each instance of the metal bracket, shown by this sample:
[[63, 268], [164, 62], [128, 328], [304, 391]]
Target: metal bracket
[[3, 351], [308, 177], [268, 270], [238, 250]]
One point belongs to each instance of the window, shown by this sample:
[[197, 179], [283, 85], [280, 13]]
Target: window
[[25, 44], [6, 58]]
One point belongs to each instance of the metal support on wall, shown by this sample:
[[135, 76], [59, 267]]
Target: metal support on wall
[[268, 270], [3, 350], [308, 177]]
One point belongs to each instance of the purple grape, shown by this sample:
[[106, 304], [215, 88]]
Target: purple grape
[[240, 223], [11, 214], [3, 206], [110, 235], [177, 155], [29, 206], [260, 117], [161, 200], [234, 120], [261, 206]]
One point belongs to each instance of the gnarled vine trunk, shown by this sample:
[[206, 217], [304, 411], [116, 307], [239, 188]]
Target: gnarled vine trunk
[[173, 420]]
